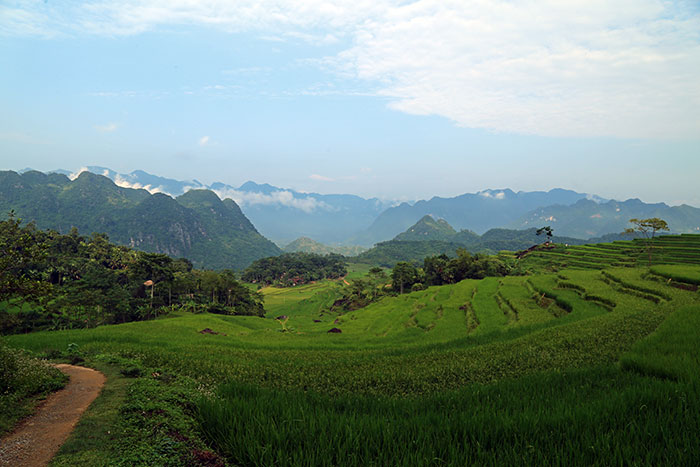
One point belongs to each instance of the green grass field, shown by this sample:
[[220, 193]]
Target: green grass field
[[592, 366]]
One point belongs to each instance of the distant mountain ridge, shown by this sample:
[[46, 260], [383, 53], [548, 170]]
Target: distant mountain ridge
[[278, 213], [477, 212], [197, 225], [586, 218], [284, 215], [430, 237]]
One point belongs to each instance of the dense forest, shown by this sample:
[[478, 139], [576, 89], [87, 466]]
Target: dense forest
[[54, 281], [292, 269]]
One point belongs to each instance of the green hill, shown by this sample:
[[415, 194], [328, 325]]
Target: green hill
[[501, 371], [197, 225], [428, 228], [429, 237]]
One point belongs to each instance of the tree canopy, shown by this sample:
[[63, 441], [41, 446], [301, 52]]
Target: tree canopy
[[292, 269], [54, 281]]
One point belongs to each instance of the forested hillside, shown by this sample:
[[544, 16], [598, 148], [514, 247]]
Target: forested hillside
[[197, 225], [54, 281]]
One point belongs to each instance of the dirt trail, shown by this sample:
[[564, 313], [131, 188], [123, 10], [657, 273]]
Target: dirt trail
[[37, 439]]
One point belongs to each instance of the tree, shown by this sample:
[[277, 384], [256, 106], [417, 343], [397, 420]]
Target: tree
[[548, 231], [437, 270], [648, 229], [404, 276], [20, 254]]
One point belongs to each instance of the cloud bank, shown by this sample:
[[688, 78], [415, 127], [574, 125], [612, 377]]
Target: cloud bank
[[124, 183], [283, 197], [624, 69]]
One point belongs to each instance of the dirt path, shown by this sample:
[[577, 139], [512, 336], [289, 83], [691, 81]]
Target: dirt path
[[35, 441]]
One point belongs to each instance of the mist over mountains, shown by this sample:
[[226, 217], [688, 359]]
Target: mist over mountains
[[196, 225], [280, 214], [220, 225]]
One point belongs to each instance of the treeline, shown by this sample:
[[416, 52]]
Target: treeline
[[292, 269], [54, 281], [407, 277], [441, 269]]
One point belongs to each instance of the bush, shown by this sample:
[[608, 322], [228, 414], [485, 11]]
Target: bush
[[21, 378]]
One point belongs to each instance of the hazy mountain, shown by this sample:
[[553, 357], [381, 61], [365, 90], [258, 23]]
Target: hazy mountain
[[197, 225], [284, 215], [278, 213], [587, 219], [429, 237], [307, 245], [477, 212]]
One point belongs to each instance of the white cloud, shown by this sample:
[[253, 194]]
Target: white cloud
[[77, 173], [283, 197], [623, 69], [124, 183], [578, 68], [203, 141], [321, 178], [492, 194], [107, 128]]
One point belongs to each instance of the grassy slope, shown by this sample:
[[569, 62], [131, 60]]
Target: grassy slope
[[533, 381], [24, 380]]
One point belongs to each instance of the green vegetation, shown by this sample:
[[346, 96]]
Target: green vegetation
[[429, 237], [307, 245], [679, 274], [665, 249], [588, 366], [387, 254], [672, 350], [428, 228], [54, 281], [210, 232], [23, 379], [291, 269], [648, 229]]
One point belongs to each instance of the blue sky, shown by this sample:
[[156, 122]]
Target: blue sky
[[396, 99]]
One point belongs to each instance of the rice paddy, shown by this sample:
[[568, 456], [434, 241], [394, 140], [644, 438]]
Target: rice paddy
[[578, 366]]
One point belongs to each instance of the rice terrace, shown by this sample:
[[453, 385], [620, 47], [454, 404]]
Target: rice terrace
[[581, 359]]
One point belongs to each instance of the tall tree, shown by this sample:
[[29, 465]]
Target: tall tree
[[20, 254], [648, 228], [404, 276]]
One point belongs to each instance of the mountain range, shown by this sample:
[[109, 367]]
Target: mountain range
[[477, 212], [430, 237], [342, 220], [586, 218], [197, 225], [280, 214]]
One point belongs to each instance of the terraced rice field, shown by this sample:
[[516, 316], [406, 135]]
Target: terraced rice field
[[518, 370], [665, 249]]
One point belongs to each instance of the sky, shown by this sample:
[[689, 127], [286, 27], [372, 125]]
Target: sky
[[395, 99]]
